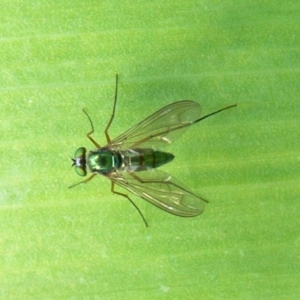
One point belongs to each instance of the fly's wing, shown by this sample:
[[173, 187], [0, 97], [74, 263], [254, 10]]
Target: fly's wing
[[162, 190], [161, 128]]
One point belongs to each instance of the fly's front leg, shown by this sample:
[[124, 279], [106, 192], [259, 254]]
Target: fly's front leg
[[84, 181], [92, 131], [113, 113], [127, 197]]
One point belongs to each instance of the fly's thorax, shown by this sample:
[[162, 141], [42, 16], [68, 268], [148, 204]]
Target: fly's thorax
[[139, 159], [104, 161]]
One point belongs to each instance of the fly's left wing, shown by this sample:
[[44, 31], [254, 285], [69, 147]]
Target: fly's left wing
[[162, 190]]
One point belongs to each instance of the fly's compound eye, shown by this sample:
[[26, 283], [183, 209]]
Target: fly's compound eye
[[79, 162]]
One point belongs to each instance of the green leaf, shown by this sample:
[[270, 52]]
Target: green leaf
[[59, 57]]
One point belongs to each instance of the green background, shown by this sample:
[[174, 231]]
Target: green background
[[57, 57]]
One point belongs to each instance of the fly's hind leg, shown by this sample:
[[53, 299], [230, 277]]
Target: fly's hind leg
[[127, 197]]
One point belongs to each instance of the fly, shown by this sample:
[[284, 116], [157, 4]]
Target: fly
[[131, 160]]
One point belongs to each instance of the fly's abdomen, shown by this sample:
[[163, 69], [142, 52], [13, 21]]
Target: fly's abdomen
[[145, 159]]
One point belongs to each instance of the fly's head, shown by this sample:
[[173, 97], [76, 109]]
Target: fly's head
[[79, 162]]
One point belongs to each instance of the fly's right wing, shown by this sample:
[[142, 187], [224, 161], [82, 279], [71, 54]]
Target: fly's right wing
[[161, 128]]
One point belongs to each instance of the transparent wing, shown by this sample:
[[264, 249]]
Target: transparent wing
[[161, 128], [162, 190]]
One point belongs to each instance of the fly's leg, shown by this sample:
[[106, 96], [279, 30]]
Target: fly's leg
[[113, 113], [84, 181], [91, 132], [215, 112], [127, 197], [109, 123]]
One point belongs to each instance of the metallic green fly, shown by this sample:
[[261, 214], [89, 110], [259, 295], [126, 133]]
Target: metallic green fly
[[131, 160]]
